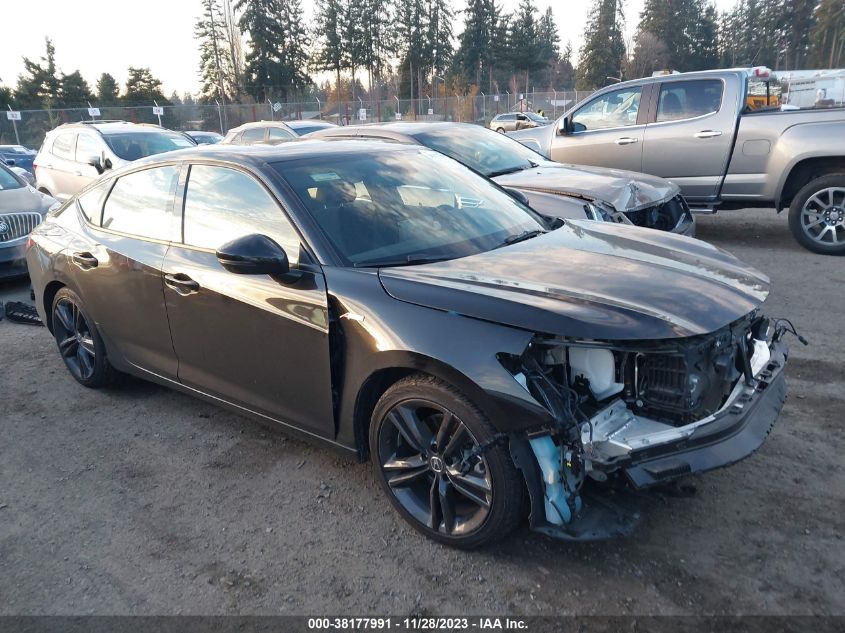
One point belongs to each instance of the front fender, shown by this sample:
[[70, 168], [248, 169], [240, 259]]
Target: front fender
[[377, 332]]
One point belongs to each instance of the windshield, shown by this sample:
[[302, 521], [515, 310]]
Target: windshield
[[8, 180], [302, 130], [485, 151], [135, 145], [206, 138], [536, 117], [398, 208]]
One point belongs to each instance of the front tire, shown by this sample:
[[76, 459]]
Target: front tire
[[817, 215], [80, 345], [422, 437], [500, 130]]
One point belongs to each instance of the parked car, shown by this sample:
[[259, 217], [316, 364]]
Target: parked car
[[394, 304], [306, 126], [512, 121], [17, 156], [75, 154], [555, 190], [22, 208], [201, 137], [695, 129], [260, 133]]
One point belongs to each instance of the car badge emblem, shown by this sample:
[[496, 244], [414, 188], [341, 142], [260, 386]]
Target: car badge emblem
[[4, 227]]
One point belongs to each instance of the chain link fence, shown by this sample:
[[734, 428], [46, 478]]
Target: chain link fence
[[479, 108]]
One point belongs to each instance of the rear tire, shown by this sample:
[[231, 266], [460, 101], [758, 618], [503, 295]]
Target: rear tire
[[817, 215], [79, 342], [500, 130], [421, 437]]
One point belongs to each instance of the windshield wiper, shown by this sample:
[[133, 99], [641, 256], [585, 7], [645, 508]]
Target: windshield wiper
[[511, 170], [409, 260], [521, 237]]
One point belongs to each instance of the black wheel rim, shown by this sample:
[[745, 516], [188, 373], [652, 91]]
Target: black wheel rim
[[76, 343], [429, 459]]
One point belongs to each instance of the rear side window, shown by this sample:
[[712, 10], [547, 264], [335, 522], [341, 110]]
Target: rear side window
[[253, 135], [688, 99], [139, 203], [222, 204], [63, 145]]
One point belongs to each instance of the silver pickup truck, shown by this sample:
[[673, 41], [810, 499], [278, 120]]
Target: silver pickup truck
[[696, 130]]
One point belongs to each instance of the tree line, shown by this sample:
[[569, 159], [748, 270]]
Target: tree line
[[259, 50]]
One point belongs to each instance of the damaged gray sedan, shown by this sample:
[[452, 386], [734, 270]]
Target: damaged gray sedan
[[389, 302]]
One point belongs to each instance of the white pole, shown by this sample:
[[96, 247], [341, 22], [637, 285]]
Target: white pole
[[158, 115], [15, 126]]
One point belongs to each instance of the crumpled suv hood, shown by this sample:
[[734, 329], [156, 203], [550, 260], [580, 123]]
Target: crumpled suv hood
[[625, 190], [591, 280]]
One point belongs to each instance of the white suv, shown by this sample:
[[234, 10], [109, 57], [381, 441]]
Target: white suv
[[74, 154]]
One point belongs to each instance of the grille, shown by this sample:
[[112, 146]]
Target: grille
[[17, 225]]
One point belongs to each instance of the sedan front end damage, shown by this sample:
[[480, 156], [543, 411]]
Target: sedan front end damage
[[631, 415]]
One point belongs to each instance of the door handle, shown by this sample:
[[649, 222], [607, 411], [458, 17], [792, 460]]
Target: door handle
[[708, 134], [84, 260], [181, 283], [627, 140]]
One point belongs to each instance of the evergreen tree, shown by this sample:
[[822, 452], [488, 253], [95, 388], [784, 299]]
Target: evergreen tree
[[482, 45], [107, 89], [39, 86], [549, 43], [330, 54], [411, 37], [216, 76], [438, 36], [292, 56], [74, 91], [603, 51], [376, 38], [828, 35], [799, 19], [683, 31], [524, 42], [260, 20], [142, 88]]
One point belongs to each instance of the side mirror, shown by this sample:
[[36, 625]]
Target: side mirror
[[256, 255], [10, 162], [565, 128], [517, 195], [96, 162]]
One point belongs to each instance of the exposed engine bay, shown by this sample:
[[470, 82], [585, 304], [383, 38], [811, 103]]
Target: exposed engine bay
[[617, 404]]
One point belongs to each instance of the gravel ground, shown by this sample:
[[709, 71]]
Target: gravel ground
[[139, 500]]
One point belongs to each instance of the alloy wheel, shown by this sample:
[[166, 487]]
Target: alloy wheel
[[823, 216], [433, 467], [75, 340]]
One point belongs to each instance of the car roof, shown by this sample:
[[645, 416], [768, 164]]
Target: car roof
[[407, 128], [298, 123], [112, 127], [258, 155], [253, 124]]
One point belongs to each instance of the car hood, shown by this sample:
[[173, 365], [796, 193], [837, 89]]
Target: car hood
[[24, 199], [591, 280], [625, 190]]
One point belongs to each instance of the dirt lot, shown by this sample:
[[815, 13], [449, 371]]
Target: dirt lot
[[139, 500]]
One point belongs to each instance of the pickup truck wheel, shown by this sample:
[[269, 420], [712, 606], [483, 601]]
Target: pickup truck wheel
[[817, 215]]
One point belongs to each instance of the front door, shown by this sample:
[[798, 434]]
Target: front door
[[690, 139], [605, 132], [253, 340]]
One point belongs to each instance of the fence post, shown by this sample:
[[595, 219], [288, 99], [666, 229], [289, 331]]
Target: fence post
[[319, 106], [554, 105]]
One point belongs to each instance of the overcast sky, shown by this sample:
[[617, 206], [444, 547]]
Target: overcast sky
[[110, 37]]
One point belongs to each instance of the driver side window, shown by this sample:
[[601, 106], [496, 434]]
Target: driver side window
[[613, 109]]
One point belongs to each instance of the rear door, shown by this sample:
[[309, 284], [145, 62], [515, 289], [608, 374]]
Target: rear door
[[117, 261], [688, 138], [607, 132], [62, 166], [253, 340]]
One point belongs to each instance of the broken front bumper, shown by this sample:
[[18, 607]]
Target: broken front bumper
[[726, 437], [736, 431]]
